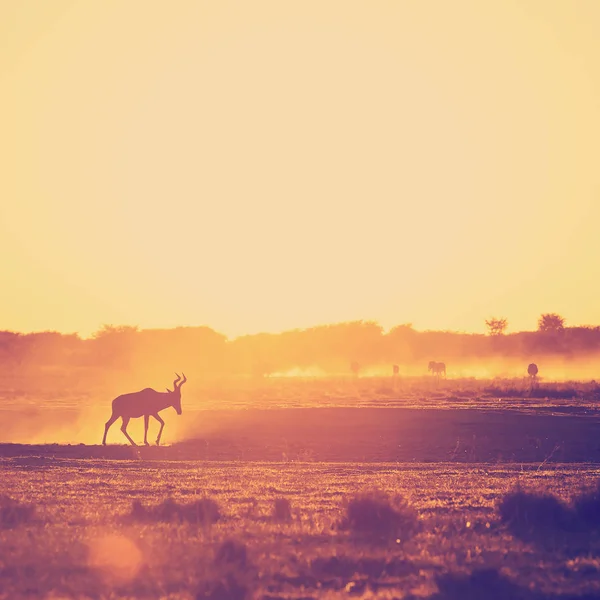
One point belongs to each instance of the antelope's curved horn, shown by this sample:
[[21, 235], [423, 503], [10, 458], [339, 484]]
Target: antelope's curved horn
[[175, 382], [184, 379]]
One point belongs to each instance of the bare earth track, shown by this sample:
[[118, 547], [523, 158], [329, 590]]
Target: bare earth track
[[361, 435]]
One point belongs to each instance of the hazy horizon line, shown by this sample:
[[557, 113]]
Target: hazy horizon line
[[385, 330]]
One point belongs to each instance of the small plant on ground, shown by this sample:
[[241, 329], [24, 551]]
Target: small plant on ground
[[231, 553], [282, 510]]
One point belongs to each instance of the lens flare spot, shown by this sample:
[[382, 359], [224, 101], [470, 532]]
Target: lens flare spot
[[115, 556]]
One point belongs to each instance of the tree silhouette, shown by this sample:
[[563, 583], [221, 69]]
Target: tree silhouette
[[496, 326], [551, 322], [111, 331], [115, 345]]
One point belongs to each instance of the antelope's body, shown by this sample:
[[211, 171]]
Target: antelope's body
[[145, 403]]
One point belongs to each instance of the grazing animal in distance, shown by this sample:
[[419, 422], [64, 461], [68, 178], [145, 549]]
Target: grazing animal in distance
[[145, 403], [437, 368], [532, 371]]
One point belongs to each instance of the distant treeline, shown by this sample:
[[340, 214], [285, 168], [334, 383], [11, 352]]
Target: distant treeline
[[331, 349]]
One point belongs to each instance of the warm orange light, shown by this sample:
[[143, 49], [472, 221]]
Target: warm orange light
[[270, 165]]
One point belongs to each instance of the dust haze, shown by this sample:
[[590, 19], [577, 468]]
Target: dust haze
[[72, 416]]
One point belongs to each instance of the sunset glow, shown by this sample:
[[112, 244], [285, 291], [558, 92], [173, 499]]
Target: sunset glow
[[265, 166]]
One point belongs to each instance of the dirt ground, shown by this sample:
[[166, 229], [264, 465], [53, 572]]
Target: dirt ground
[[354, 434]]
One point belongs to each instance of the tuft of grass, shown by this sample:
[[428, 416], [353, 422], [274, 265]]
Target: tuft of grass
[[14, 513], [204, 511], [282, 510], [375, 514], [531, 513]]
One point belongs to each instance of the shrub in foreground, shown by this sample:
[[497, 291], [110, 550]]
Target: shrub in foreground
[[14, 513], [375, 514], [528, 513], [587, 508], [535, 514], [204, 511]]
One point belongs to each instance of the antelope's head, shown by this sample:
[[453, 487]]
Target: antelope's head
[[176, 393]]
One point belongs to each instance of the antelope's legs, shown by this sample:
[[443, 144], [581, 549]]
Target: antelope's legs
[[124, 430], [146, 421], [162, 424], [112, 419]]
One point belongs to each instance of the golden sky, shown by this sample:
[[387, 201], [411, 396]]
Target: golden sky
[[269, 165]]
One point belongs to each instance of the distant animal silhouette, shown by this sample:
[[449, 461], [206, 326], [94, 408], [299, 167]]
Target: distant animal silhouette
[[355, 368], [437, 368], [395, 370], [145, 403], [532, 371]]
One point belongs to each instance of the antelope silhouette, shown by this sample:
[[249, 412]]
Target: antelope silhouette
[[145, 403]]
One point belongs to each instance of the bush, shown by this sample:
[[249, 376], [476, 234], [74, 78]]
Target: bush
[[14, 513], [587, 508], [528, 513], [538, 515], [375, 514], [231, 553], [204, 512]]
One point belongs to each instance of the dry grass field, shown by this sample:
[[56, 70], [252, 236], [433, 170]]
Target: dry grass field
[[176, 529], [306, 489]]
